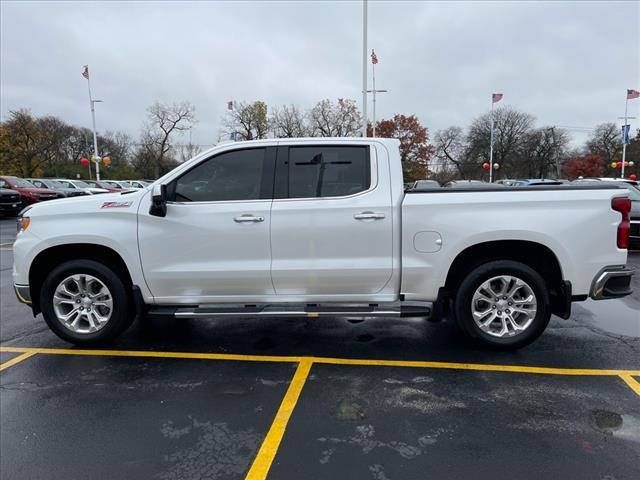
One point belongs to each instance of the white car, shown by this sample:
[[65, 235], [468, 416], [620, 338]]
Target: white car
[[321, 226], [80, 185], [137, 184]]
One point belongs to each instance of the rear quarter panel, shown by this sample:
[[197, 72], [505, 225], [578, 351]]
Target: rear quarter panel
[[578, 226]]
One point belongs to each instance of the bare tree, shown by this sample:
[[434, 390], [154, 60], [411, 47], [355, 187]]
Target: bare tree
[[606, 142], [341, 119], [544, 150], [289, 122], [450, 150], [163, 121], [510, 135]]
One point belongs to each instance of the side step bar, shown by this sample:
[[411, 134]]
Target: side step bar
[[415, 309]]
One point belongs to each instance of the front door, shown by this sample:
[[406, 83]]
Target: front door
[[213, 245], [331, 228]]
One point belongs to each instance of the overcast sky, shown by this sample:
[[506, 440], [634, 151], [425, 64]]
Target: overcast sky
[[568, 63]]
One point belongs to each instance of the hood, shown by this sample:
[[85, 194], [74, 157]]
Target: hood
[[7, 192], [88, 205], [36, 190]]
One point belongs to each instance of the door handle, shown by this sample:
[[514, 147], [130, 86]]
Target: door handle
[[368, 216], [248, 218]]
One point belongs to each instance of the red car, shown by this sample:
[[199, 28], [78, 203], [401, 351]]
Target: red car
[[28, 193]]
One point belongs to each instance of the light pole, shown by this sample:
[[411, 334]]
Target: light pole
[[364, 68], [624, 133]]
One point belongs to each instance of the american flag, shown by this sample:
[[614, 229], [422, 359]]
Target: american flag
[[230, 105], [374, 57], [632, 94], [496, 97], [85, 71]]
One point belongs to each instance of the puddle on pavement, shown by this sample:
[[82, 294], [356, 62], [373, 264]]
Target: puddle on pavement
[[613, 316]]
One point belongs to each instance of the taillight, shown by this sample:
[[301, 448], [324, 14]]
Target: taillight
[[622, 205]]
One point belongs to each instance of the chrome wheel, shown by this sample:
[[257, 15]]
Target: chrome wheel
[[504, 306], [82, 303]]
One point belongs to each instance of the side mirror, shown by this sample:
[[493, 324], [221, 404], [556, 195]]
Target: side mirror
[[158, 206]]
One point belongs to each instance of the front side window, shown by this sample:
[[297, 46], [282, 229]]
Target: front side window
[[326, 171], [234, 175]]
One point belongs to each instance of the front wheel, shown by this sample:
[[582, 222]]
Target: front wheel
[[85, 302], [503, 304]]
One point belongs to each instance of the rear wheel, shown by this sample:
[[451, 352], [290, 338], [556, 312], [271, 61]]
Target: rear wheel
[[84, 302], [503, 304]]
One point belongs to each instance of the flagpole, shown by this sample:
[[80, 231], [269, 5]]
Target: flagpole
[[491, 145], [373, 74], [624, 128], [364, 68], [92, 103]]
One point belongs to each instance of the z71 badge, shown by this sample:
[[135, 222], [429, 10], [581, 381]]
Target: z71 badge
[[116, 204]]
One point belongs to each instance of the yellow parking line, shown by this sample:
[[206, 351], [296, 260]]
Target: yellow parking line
[[15, 360], [262, 463], [632, 382], [153, 354], [330, 360]]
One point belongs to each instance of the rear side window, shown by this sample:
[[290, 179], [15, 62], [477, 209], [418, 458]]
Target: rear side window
[[326, 171], [234, 175]]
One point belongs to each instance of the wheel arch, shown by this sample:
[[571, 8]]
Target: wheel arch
[[537, 256], [51, 257]]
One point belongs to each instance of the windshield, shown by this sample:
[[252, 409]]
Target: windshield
[[634, 193], [81, 184], [21, 183], [53, 183]]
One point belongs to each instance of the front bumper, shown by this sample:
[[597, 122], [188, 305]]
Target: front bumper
[[612, 282], [23, 293]]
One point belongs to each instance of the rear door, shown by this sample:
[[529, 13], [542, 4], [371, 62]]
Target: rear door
[[331, 222]]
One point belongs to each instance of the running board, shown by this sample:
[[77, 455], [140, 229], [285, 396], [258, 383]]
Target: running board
[[309, 310]]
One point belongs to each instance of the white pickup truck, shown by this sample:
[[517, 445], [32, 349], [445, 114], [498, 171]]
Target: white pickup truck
[[313, 227]]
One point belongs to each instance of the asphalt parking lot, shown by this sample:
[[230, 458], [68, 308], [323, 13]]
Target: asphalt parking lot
[[304, 398]]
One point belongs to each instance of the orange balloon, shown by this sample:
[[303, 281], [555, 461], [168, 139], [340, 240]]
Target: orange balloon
[[106, 160]]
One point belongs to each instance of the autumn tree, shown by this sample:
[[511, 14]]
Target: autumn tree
[[340, 119], [415, 149], [163, 123], [248, 120], [586, 166]]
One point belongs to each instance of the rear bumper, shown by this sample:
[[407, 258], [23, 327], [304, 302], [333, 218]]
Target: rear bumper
[[611, 282]]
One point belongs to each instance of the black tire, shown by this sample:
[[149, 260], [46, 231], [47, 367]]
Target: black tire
[[463, 304], [123, 312]]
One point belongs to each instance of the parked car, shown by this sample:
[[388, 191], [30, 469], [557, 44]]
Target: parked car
[[321, 226], [57, 186], [613, 179], [506, 182], [81, 186], [634, 195], [473, 184], [137, 184], [117, 184], [421, 185], [102, 184], [29, 193], [10, 202], [536, 182]]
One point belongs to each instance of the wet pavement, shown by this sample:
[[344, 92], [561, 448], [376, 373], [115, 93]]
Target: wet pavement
[[97, 416]]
